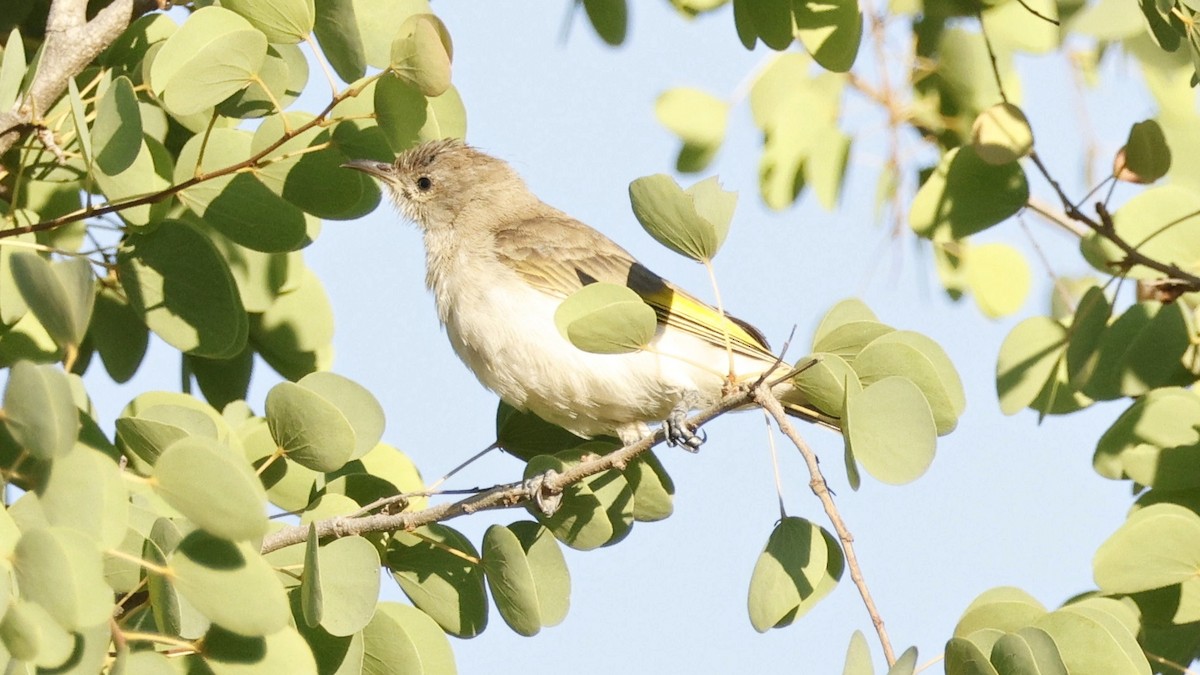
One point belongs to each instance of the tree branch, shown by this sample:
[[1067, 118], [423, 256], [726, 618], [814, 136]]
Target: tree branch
[[544, 490], [71, 43], [762, 395]]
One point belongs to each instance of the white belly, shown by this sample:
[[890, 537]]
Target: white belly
[[509, 339]]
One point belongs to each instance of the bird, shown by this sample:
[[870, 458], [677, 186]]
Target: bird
[[499, 262]]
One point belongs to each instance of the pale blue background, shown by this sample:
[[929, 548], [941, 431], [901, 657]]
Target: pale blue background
[[1006, 502]]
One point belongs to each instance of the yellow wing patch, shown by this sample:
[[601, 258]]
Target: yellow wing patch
[[680, 310]]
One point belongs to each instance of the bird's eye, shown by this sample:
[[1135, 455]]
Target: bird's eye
[[423, 183]]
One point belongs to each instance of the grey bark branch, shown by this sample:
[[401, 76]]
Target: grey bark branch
[[540, 489], [72, 42]]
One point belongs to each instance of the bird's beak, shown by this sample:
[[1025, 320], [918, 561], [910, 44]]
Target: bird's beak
[[382, 170]]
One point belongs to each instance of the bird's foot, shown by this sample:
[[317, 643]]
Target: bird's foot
[[680, 433]]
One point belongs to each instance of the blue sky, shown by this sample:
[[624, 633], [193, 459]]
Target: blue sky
[[1006, 502]]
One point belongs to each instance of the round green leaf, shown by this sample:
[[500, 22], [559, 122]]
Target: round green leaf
[[446, 586], [175, 278], [421, 54], [1001, 134], [282, 651], [391, 467], [230, 584], [1091, 644], [858, 656], [699, 119], [31, 634], [1155, 442], [597, 511], [653, 490], [401, 112], [149, 173], [610, 18], [156, 427], [403, 639], [85, 492], [1163, 223], [1090, 319], [787, 572], [999, 278], [692, 222], [1029, 650], [919, 359], [349, 584], [1028, 361], [967, 658], [289, 485], [850, 309], [525, 435], [282, 77], [605, 318], [60, 295], [39, 410], [1157, 546], [520, 589], [282, 21], [825, 383], [772, 22], [445, 117], [1146, 156], [117, 133], [965, 195], [212, 486], [295, 336], [848, 339], [337, 32], [213, 54], [1004, 609], [891, 429], [238, 205], [311, 431], [62, 570], [360, 408], [1145, 348], [830, 31]]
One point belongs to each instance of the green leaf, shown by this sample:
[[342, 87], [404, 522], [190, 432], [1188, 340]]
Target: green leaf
[[1001, 134], [1089, 643], [846, 311], [238, 205], [360, 408], [31, 634], [387, 464], [295, 336], [1146, 156], [230, 584], [282, 21], [1029, 359], [692, 222], [699, 119], [400, 109], [337, 31], [1163, 223], [965, 195], [60, 294], [12, 70], [582, 520], [150, 173], [282, 77], [921, 360], [830, 31], [85, 492], [1088, 324], [39, 410], [1155, 442], [772, 21], [1004, 609], [214, 54], [827, 382], [213, 487], [117, 133], [148, 434], [967, 658], [523, 587], [349, 584], [175, 278], [1029, 650], [1157, 546], [525, 435], [858, 656], [282, 651], [446, 586], [402, 639], [62, 570], [289, 485], [825, 169], [653, 490], [310, 430], [788, 572], [605, 318], [891, 429], [118, 334], [610, 18], [421, 54], [848, 339]]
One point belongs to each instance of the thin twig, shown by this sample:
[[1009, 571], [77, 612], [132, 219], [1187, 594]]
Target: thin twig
[[1038, 14], [763, 396]]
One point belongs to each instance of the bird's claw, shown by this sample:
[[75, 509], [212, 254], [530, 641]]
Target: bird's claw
[[679, 433]]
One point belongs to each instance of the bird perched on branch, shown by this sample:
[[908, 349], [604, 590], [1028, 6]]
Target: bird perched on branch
[[499, 262]]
